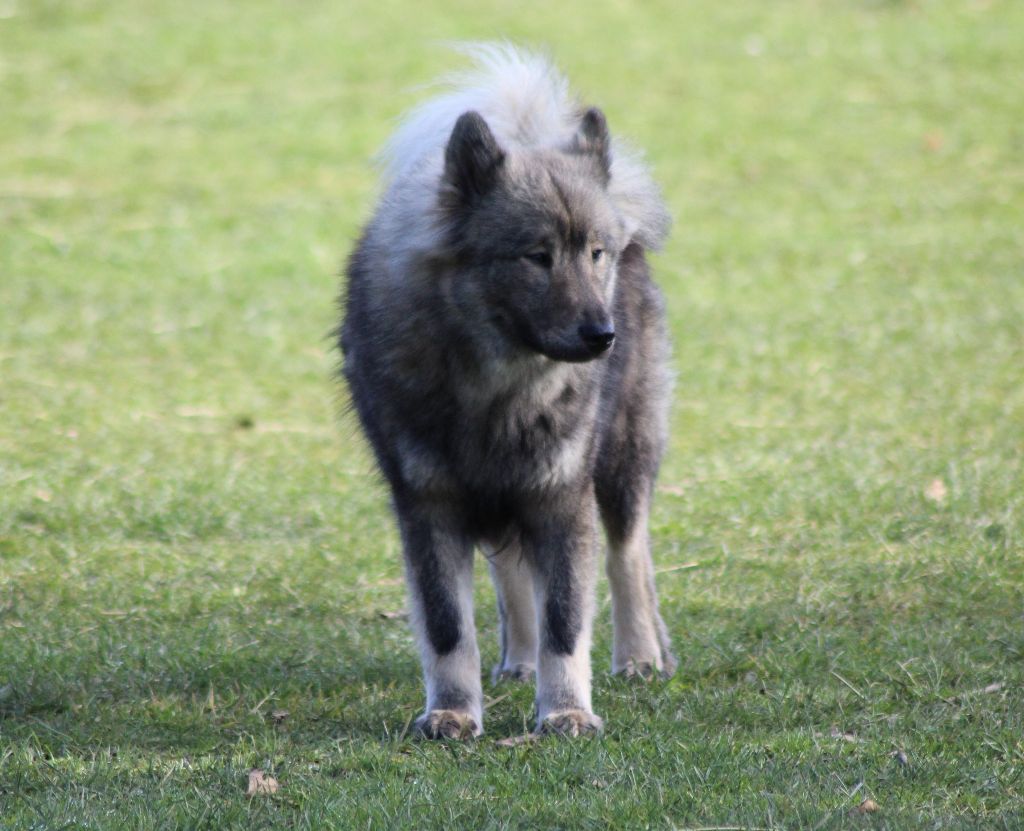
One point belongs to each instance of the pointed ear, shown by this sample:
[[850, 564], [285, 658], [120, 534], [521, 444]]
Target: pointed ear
[[473, 159], [592, 139]]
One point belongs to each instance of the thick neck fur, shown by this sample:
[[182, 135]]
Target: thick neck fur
[[466, 356], [479, 406]]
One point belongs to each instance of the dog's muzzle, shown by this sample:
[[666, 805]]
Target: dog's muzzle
[[597, 337]]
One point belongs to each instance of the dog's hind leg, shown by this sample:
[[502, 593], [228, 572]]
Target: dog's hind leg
[[627, 465], [517, 618], [640, 641], [439, 571]]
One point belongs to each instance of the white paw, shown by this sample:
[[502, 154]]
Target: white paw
[[647, 670], [519, 672], [447, 724], [645, 660], [571, 723]]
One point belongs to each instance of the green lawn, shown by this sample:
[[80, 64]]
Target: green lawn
[[191, 539]]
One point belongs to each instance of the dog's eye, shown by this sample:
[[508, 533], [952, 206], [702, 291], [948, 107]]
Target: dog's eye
[[596, 254], [541, 258]]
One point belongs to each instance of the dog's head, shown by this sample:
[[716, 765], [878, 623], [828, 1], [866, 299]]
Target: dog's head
[[534, 238]]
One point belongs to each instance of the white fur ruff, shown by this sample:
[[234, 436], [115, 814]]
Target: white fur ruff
[[528, 106]]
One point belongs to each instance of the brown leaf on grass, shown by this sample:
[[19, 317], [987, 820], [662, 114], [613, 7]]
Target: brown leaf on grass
[[278, 716], [260, 783], [996, 687], [401, 614], [836, 733], [934, 141], [868, 806], [900, 756], [936, 491], [515, 741]]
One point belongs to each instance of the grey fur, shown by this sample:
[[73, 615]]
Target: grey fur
[[478, 349]]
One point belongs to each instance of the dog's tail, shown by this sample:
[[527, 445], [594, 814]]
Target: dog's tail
[[527, 103]]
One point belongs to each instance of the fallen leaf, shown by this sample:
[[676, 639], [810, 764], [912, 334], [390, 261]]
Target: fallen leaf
[[399, 615], [515, 741], [996, 687], [279, 716], [933, 141], [868, 806], [936, 491], [846, 737], [260, 783], [900, 756]]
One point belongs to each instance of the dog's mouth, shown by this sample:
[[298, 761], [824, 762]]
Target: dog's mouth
[[574, 353], [587, 343]]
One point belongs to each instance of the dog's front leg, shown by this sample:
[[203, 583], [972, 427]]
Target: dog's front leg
[[562, 550], [439, 572]]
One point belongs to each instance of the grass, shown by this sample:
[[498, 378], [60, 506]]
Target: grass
[[190, 541]]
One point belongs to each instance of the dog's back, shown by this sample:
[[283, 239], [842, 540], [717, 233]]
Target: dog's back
[[506, 353]]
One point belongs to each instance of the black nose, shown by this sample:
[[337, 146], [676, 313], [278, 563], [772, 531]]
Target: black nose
[[597, 336]]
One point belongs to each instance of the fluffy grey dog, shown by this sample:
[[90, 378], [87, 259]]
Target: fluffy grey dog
[[506, 353]]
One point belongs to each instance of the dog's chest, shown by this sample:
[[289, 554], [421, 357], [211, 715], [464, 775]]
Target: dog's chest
[[529, 437]]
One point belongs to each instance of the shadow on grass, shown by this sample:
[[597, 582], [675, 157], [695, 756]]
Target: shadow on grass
[[185, 687]]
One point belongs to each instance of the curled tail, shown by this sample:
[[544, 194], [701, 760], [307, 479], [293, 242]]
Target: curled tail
[[527, 103]]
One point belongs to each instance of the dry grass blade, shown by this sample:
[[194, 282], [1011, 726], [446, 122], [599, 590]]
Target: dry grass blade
[[516, 741]]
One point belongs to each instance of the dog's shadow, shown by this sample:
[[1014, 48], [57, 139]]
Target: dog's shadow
[[204, 691]]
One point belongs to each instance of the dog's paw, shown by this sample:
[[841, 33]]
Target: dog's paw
[[519, 672], [644, 652], [669, 663], [640, 670], [447, 724], [663, 668], [571, 723]]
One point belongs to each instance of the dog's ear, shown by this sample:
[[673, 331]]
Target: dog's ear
[[592, 139], [473, 159]]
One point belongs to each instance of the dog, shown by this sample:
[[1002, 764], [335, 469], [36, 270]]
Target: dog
[[506, 353]]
